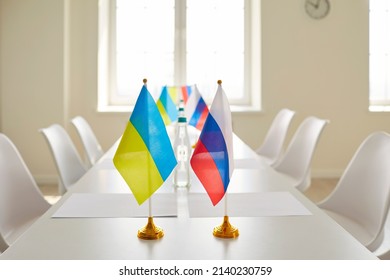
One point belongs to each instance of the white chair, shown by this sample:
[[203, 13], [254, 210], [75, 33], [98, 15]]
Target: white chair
[[91, 145], [360, 200], [272, 146], [295, 163], [66, 157], [21, 201], [383, 251]]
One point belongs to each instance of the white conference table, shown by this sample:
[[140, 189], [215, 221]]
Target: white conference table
[[283, 237]]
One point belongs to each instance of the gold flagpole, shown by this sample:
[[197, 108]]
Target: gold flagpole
[[150, 231], [225, 230]]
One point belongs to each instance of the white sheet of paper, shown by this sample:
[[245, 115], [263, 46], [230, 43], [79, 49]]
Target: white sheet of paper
[[247, 205], [115, 205], [249, 163]]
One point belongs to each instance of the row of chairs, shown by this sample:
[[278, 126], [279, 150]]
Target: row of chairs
[[21, 201], [295, 160], [69, 164], [360, 201]]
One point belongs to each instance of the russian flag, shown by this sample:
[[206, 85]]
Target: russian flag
[[212, 159], [196, 109], [145, 157]]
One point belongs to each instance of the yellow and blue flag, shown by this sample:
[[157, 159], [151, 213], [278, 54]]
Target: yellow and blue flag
[[167, 104], [145, 157]]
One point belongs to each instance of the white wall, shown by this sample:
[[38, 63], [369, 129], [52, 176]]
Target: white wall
[[317, 67], [320, 67], [31, 75]]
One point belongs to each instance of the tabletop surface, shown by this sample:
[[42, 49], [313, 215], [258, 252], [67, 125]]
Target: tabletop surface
[[312, 236]]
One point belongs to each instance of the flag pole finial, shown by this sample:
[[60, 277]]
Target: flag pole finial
[[145, 81], [219, 82]]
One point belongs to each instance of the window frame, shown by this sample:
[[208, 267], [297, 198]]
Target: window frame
[[107, 59], [383, 104]]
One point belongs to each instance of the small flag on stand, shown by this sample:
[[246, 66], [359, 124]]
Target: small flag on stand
[[212, 159], [145, 157], [196, 109], [167, 103], [186, 93]]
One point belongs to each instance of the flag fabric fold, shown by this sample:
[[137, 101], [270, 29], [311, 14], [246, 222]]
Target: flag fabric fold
[[167, 104], [212, 159], [196, 109], [145, 157], [186, 93]]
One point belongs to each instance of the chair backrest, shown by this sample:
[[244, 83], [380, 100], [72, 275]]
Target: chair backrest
[[91, 145], [272, 145], [297, 159], [66, 157], [363, 191], [20, 198]]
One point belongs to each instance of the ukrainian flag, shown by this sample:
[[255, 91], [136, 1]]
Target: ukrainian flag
[[145, 157], [167, 104]]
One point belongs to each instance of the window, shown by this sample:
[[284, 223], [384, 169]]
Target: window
[[178, 42], [379, 57]]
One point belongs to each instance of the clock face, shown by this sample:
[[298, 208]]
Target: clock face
[[317, 8]]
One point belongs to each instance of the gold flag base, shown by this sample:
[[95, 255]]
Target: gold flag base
[[150, 231], [225, 230]]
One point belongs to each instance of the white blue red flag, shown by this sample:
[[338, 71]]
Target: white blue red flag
[[212, 159], [196, 109]]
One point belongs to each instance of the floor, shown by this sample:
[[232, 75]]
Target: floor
[[50, 192], [320, 188]]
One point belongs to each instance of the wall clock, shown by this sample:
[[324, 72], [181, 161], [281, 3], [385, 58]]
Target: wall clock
[[317, 9]]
